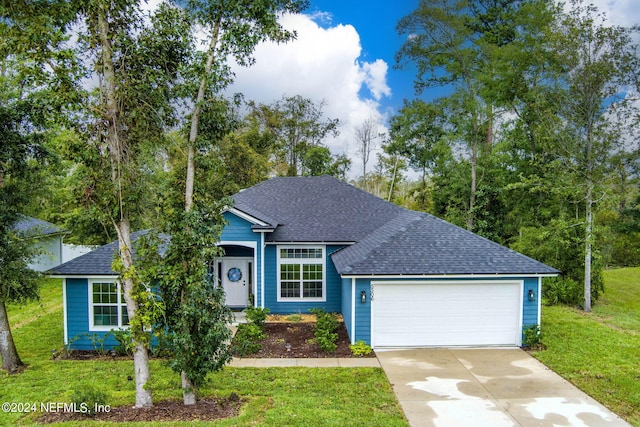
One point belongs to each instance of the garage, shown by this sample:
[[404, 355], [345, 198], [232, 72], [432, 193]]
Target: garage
[[446, 313]]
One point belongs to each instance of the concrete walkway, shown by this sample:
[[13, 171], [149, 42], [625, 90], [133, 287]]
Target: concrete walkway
[[487, 387], [347, 362]]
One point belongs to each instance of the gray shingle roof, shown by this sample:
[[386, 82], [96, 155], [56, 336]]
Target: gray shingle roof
[[33, 227], [421, 244], [388, 240], [315, 209], [97, 262]]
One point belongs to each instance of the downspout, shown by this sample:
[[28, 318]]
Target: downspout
[[539, 301], [262, 247], [353, 310]]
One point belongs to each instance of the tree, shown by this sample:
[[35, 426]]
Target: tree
[[297, 126], [29, 97], [233, 29], [365, 134], [417, 133], [20, 154], [597, 118]]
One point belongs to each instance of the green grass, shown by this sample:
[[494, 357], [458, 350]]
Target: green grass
[[600, 351], [275, 396]]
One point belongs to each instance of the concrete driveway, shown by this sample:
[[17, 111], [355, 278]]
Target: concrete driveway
[[487, 387]]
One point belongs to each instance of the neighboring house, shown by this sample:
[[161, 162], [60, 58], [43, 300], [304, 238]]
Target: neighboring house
[[46, 237], [400, 278]]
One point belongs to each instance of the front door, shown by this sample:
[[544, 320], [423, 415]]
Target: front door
[[236, 281]]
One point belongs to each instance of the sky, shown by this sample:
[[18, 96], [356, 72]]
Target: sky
[[344, 57]]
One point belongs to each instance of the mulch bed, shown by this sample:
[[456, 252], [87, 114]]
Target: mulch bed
[[203, 410], [300, 340], [301, 343]]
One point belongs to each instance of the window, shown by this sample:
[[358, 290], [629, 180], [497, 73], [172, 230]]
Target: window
[[301, 274], [108, 308]]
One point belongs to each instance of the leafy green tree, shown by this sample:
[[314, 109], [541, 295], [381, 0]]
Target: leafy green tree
[[597, 118], [20, 155], [319, 161], [233, 30], [296, 124]]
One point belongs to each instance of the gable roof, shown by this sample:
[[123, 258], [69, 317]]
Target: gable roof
[[314, 209], [33, 227]]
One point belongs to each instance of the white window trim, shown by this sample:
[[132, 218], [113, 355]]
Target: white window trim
[[322, 261], [120, 304]]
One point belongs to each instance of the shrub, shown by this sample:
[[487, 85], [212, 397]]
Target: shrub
[[257, 316], [98, 342], [326, 324], [360, 349], [563, 291], [532, 337], [294, 318], [125, 346], [87, 399], [247, 339]]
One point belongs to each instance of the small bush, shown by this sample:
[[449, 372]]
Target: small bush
[[532, 337], [360, 349], [257, 316], [87, 399], [326, 324], [247, 339], [125, 346], [294, 318], [563, 291], [162, 347], [98, 342]]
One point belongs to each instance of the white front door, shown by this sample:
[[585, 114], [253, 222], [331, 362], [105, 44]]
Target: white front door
[[236, 281]]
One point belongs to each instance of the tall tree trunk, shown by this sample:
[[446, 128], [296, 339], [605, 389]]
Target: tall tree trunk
[[587, 246], [10, 359], [117, 156], [393, 179], [195, 118], [188, 389], [474, 184]]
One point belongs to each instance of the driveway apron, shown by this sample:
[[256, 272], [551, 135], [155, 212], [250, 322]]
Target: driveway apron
[[487, 387]]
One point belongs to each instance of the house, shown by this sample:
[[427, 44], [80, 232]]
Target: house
[[400, 278], [46, 237]]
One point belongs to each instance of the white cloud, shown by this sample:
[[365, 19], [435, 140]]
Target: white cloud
[[322, 64], [620, 12]]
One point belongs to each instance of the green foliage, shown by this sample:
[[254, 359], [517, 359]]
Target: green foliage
[[294, 318], [257, 315], [559, 290], [560, 245], [98, 342], [125, 346], [247, 339], [326, 324], [532, 337], [88, 398], [360, 349]]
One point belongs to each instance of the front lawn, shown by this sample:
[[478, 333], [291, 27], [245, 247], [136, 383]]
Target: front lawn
[[275, 396], [600, 351]]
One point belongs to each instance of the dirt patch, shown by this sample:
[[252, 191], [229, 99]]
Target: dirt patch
[[203, 410]]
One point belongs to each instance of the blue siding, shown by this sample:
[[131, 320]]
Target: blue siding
[[530, 308], [363, 311], [333, 286], [346, 306], [77, 292]]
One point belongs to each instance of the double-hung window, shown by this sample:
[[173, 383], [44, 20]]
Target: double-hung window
[[301, 274], [108, 307]]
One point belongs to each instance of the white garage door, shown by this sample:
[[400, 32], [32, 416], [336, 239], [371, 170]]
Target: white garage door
[[420, 314]]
